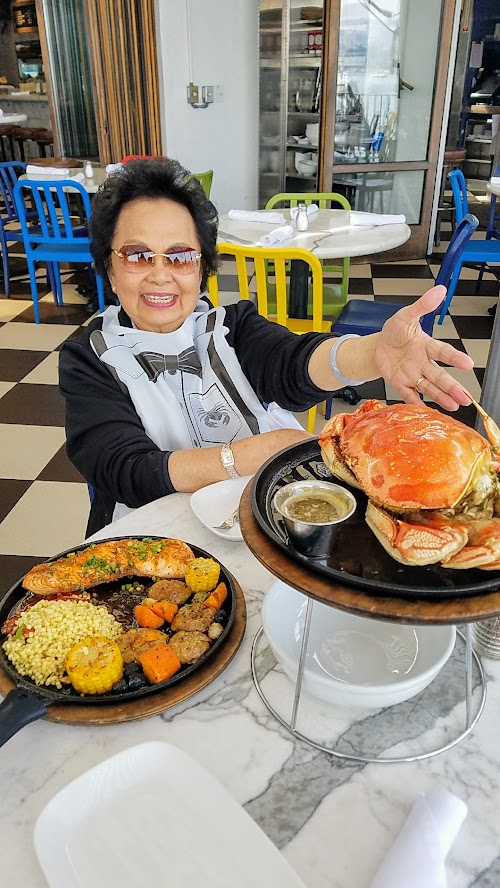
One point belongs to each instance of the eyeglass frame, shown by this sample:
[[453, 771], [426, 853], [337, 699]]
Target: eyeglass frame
[[189, 266]]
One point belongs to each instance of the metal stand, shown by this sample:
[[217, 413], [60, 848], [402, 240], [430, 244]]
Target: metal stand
[[470, 720]]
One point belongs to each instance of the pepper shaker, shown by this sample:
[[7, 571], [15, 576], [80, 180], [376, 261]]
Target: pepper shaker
[[302, 220]]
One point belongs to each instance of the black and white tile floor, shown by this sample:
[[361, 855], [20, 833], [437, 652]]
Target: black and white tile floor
[[43, 499]]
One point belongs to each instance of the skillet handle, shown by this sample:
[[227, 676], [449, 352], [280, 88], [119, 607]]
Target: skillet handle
[[18, 709]]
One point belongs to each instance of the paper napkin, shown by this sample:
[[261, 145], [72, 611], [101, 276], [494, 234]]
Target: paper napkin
[[375, 219], [281, 419], [256, 216], [48, 172], [311, 210], [417, 857], [276, 236]]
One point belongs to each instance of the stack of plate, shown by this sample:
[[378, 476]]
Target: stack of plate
[[486, 638], [312, 133]]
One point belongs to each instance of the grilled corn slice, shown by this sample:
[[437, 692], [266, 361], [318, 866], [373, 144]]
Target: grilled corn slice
[[94, 665], [202, 574]]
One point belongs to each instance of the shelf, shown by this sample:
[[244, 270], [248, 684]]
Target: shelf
[[302, 147], [301, 176], [296, 61]]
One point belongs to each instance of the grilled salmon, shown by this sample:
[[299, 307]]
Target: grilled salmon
[[108, 561]]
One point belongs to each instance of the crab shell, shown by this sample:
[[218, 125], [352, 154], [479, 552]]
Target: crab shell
[[406, 456]]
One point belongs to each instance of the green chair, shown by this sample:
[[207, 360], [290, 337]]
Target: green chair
[[206, 180], [334, 295]]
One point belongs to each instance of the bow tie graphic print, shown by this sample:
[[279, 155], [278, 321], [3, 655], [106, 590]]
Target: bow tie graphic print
[[155, 363]]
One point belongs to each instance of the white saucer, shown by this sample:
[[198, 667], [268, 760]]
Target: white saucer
[[152, 815], [213, 504]]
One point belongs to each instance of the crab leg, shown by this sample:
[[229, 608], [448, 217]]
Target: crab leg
[[491, 428]]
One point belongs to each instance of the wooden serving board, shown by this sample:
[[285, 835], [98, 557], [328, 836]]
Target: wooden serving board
[[466, 609], [153, 704]]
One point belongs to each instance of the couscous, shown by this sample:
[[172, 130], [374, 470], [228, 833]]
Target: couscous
[[45, 634]]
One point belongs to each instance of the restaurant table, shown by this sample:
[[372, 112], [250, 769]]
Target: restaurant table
[[333, 822], [493, 187], [329, 236], [13, 118], [91, 185]]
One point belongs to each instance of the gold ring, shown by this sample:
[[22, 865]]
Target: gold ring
[[419, 380]]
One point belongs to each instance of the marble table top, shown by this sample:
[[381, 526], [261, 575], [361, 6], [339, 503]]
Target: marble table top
[[493, 187], [334, 822], [329, 235]]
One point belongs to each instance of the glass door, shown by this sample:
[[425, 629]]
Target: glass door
[[385, 90], [290, 77]]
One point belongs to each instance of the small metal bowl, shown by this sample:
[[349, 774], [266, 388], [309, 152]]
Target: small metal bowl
[[312, 538]]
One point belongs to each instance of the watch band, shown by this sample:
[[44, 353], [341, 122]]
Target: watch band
[[227, 460]]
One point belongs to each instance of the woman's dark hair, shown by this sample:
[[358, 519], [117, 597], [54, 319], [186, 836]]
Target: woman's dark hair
[[154, 178]]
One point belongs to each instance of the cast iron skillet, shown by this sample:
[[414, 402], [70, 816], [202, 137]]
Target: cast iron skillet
[[358, 558], [29, 702]]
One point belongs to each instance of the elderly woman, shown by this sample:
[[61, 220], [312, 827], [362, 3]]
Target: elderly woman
[[166, 393]]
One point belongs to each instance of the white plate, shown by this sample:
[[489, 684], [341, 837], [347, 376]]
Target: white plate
[[213, 504], [351, 660], [152, 815]]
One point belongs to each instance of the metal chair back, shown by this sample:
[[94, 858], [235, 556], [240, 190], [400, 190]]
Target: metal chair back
[[55, 237], [252, 261]]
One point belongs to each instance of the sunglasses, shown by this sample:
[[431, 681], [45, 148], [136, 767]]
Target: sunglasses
[[139, 259]]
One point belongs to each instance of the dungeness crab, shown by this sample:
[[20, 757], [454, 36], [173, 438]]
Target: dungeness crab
[[432, 483]]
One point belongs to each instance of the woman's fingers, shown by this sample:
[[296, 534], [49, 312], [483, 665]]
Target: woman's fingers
[[447, 354], [426, 303]]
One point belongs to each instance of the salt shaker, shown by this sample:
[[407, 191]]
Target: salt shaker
[[302, 220], [88, 170]]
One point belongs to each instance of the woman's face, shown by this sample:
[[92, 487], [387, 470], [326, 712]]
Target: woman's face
[[158, 298]]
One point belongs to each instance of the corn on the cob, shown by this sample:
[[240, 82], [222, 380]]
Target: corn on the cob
[[94, 665], [202, 574]]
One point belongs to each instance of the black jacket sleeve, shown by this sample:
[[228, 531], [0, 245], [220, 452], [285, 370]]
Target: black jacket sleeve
[[273, 359], [105, 438]]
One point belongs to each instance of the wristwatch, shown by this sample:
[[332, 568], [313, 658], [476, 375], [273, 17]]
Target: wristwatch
[[227, 460]]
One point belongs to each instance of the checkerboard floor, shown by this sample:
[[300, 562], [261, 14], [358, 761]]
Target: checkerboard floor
[[43, 499]]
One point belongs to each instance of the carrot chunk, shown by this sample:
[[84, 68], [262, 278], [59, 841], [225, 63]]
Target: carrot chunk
[[147, 618], [165, 609], [217, 597], [159, 662]]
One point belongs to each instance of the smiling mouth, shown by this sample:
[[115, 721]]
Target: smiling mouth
[[151, 299]]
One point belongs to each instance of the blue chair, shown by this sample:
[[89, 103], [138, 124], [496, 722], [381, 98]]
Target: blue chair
[[54, 239], [491, 231], [10, 226], [363, 317], [478, 251]]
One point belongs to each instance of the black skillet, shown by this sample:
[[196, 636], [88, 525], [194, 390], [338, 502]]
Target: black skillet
[[29, 702], [358, 559]]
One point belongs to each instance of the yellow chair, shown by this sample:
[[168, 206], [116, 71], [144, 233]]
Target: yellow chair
[[334, 295], [272, 299], [206, 180]]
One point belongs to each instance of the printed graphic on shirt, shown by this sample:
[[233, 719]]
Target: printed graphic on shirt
[[215, 420]]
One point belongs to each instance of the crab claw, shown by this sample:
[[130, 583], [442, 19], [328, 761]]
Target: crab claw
[[416, 542], [482, 549]]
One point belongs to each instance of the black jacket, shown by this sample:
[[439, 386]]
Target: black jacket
[[105, 438]]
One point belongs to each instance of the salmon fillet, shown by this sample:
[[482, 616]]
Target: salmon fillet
[[108, 561]]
